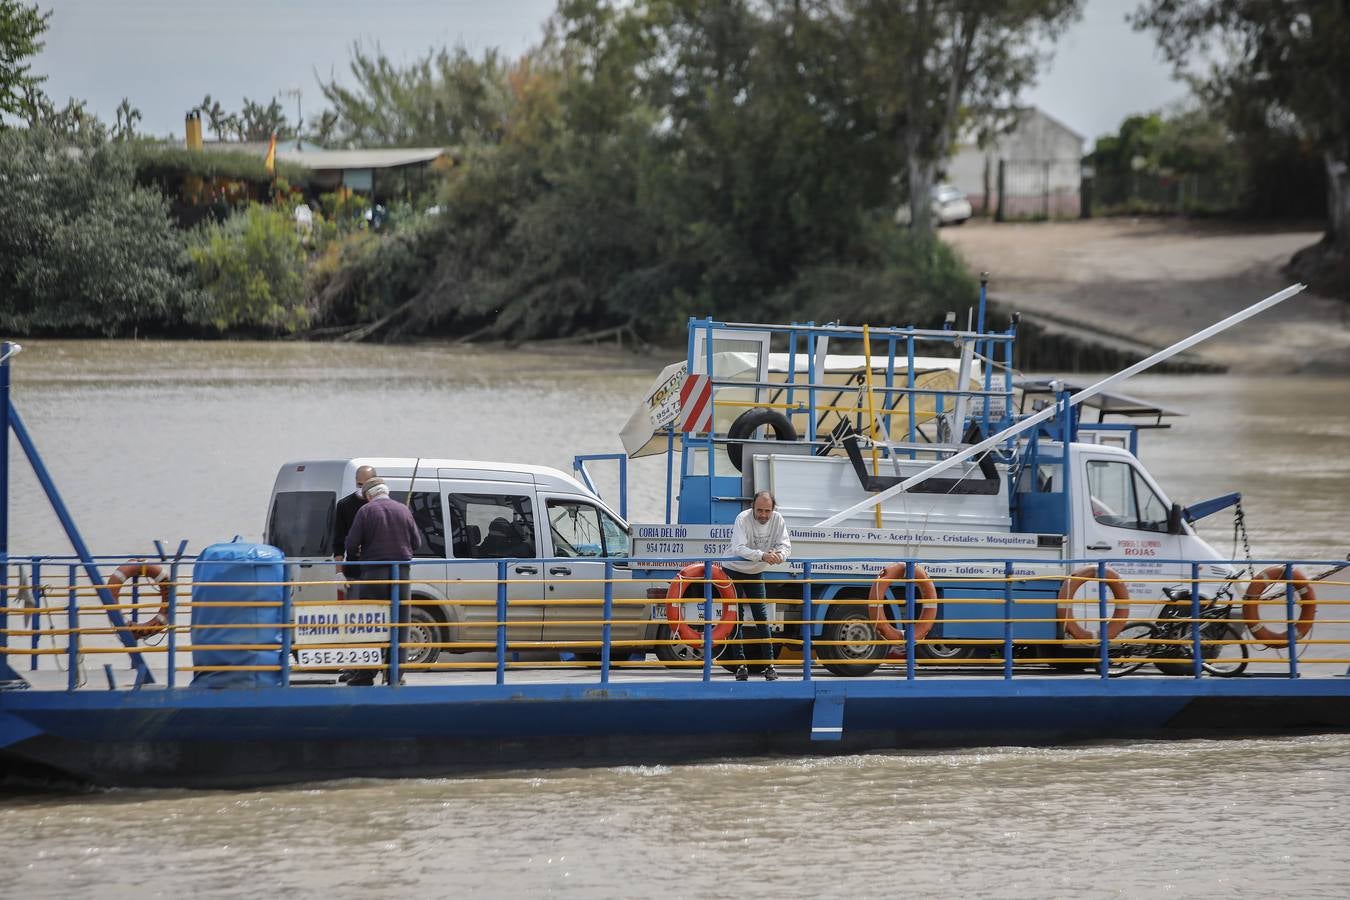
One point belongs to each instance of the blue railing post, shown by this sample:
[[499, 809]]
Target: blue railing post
[[287, 628], [1007, 621], [607, 631], [909, 620], [1291, 619], [501, 622], [72, 631], [171, 641], [808, 621], [707, 619], [1197, 651], [6, 350], [35, 620], [1104, 624], [402, 573]]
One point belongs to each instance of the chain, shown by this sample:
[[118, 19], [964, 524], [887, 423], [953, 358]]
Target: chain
[[1240, 530]]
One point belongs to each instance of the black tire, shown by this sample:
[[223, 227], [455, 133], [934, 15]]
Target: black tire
[[1227, 659], [945, 652], [856, 654], [750, 420], [676, 654], [423, 627], [1128, 654]]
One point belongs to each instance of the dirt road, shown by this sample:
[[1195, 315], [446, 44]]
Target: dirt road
[[1142, 284]]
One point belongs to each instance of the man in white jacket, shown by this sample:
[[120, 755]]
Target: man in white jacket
[[759, 539]]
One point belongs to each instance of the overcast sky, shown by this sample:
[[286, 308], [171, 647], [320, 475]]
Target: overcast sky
[[165, 55]]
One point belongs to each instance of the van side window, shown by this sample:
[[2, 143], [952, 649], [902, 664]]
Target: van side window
[[426, 510], [302, 522], [1121, 498], [491, 526], [580, 529]]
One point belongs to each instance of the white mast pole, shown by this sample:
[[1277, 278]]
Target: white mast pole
[[1036, 419]]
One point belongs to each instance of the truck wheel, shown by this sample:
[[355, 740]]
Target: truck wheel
[[945, 652], [423, 628], [679, 656], [859, 650]]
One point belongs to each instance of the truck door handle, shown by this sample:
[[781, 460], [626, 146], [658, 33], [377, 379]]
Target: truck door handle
[[527, 570], [1100, 545], [559, 570]]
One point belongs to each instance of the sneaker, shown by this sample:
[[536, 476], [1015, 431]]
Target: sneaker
[[770, 674], [742, 674]]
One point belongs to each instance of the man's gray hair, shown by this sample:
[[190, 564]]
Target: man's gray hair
[[375, 488]]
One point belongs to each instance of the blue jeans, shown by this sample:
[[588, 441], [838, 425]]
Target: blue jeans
[[751, 589]]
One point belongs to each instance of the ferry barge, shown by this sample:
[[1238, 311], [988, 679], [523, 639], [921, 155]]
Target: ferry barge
[[974, 563]]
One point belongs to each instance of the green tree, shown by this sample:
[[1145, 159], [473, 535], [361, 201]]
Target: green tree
[[258, 122], [127, 117], [443, 99], [21, 27], [251, 267], [1279, 64], [83, 249], [930, 64]]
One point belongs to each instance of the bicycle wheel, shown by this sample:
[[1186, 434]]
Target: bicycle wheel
[[1221, 652], [1128, 652]]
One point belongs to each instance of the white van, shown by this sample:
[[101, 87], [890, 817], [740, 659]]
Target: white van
[[556, 533]]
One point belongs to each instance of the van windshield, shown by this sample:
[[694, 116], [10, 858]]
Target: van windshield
[[301, 523]]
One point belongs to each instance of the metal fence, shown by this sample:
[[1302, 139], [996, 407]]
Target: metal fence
[[59, 629]]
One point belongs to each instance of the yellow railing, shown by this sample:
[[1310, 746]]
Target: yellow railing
[[980, 628]]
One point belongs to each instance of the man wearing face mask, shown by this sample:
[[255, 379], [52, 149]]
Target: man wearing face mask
[[347, 508], [759, 539]]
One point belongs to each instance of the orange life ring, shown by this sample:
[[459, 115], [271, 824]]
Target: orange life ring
[[924, 591], [1251, 605], [721, 585], [1119, 591], [157, 576]]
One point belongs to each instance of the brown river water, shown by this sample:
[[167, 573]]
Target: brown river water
[[181, 440]]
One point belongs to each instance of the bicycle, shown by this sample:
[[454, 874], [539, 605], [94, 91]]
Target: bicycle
[[1169, 641]]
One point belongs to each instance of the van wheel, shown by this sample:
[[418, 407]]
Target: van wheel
[[858, 651], [423, 628], [679, 656]]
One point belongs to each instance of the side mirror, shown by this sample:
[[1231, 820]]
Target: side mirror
[[1175, 518]]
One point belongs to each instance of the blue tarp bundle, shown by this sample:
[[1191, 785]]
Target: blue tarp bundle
[[227, 574]]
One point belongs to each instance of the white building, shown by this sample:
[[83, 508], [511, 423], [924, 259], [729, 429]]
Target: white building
[[1042, 163]]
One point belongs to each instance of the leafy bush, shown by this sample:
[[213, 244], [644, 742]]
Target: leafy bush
[[83, 250], [252, 267]]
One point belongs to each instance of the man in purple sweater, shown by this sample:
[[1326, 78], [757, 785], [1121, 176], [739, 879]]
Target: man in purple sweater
[[382, 540]]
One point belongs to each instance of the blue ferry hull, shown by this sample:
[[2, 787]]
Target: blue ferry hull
[[234, 738]]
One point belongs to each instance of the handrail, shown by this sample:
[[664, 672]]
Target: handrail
[[1009, 625]]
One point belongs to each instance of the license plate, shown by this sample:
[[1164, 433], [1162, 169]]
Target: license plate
[[341, 656]]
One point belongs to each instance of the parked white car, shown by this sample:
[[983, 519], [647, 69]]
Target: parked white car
[[949, 203]]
